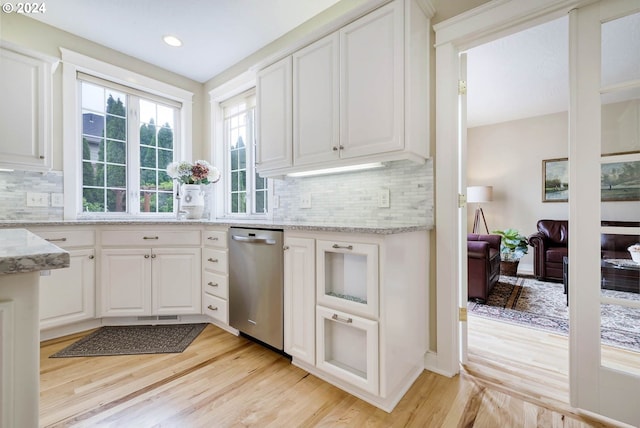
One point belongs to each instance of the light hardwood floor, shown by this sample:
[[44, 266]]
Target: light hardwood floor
[[221, 380]]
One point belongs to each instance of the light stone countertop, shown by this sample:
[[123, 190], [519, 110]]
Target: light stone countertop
[[265, 224], [22, 251]]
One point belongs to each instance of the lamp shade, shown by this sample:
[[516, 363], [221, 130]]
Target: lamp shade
[[479, 194]]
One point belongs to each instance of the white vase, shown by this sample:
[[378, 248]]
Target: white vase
[[192, 200]]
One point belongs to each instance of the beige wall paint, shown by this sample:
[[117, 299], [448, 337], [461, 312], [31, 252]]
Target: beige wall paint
[[39, 37], [508, 156]]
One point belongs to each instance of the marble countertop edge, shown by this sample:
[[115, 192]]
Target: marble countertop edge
[[22, 251], [266, 224]]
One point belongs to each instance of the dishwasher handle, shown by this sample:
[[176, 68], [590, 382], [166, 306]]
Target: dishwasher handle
[[253, 240]]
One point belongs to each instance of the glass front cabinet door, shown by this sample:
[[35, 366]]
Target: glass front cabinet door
[[347, 277]]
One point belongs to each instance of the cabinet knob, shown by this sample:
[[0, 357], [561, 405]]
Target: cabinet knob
[[91, 257], [213, 238], [212, 260], [286, 247], [153, 256], [213, 284], [341, 147], [334, 148], [146, 256], [212, 308]]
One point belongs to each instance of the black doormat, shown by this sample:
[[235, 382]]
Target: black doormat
[[136, 339]]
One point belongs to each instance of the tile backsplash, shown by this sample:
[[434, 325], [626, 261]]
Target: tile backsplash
[[351, 199], [13, 195], [347, 199]]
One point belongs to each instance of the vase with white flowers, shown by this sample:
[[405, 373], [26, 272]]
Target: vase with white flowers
[[191, 177]]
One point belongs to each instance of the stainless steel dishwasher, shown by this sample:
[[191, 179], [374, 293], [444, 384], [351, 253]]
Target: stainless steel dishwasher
[[256, 284]]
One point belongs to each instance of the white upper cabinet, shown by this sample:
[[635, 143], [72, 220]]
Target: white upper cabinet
[[316, 91], [372, 84], [274, 116], [25, 114], [360, 94]]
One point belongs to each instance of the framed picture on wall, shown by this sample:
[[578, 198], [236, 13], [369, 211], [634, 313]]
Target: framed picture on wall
[[620, 181], [555, 180]]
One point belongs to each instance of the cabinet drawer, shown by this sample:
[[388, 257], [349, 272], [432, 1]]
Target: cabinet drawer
[[215, 260], [216, 308], [68, 238], [151, 238], [215, 238], [215, 284]]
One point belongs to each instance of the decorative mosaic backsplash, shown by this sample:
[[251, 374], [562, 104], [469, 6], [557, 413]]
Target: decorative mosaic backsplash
[[13, 195], [351, 199], [347, 199]]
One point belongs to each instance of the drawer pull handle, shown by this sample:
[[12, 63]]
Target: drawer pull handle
[[213, 238], [346, 247], [212, 308], [213, 284], [335, 317], [212, 260], [56, 239], [151, 237]]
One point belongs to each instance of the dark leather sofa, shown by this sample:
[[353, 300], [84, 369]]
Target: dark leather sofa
[[615, 277], [483, 264], [550, 245]]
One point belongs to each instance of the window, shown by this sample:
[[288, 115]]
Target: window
[[247, 192], [120, 130], [127, 142]]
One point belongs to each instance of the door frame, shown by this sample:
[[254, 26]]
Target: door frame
[[488, 22]]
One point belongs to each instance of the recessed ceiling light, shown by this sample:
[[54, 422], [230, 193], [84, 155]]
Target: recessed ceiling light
[[172, 41]]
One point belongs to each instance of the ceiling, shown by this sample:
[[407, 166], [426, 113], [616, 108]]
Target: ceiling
[[519, 76], [216, 34]]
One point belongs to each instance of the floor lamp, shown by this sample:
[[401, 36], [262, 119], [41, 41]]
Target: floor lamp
[[478, 195]]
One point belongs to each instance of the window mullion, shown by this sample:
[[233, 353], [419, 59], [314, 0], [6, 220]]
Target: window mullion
[[133, 154]]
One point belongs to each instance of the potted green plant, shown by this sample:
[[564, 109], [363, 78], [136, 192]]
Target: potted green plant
[[512, 248]]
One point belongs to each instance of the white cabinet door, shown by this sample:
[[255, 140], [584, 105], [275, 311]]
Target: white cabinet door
[[348, 348], [68, 295], [347, 276], [125, 282], [274, 115], [299, 298], [316, 92], [25, 121], [176, 281], [371, 81]]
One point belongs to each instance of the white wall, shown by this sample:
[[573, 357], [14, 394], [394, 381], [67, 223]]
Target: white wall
[[508, 156]]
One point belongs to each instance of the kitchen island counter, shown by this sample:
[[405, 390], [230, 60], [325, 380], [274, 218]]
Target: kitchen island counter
[[22, 256]]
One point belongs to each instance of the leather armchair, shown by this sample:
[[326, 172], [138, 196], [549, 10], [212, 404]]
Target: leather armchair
[[483, 264], [550, 245]]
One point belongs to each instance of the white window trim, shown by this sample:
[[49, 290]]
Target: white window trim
[[230, 89], [74, 62]]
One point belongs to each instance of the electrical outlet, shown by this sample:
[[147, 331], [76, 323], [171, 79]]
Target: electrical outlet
[[383, 198], [57, 200], [37, 199], [305, 200]]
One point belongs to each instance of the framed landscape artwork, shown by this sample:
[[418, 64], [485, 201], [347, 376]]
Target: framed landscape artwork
[[619, 181], [555, 180]]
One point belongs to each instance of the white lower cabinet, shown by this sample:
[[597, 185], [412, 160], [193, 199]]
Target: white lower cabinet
[[362, 305], [299, 298], [215, 275], [347, 347], [67, 295], [154, 271], [150, 281]]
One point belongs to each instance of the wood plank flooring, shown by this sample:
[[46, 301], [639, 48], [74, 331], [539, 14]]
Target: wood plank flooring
[[222, 381]]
